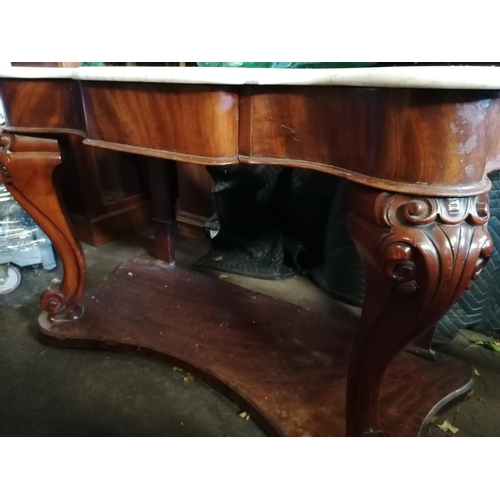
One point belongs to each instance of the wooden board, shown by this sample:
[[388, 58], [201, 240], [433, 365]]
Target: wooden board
[[284, 364]]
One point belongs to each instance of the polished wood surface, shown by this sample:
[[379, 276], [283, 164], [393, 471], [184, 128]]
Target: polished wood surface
[[285, 365], [422, 156], [54, 106], [103, 191], [195, 204], [417, 141], [163, 179], [118, 110], [27, 165], [47, 106], [406, 140], [419, 255]]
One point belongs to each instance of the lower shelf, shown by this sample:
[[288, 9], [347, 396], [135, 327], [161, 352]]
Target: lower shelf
[[283, 364]]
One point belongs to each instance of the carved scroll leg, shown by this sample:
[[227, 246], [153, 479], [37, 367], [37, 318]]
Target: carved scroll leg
[[419, 255], [27, 165]]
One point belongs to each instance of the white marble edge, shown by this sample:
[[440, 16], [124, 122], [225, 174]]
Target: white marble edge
[[36, 73], [432, 77]]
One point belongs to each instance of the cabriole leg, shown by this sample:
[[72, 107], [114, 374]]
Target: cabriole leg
[[419, 254], [27, 165]]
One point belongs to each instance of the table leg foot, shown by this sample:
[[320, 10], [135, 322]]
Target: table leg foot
[[75, 314]]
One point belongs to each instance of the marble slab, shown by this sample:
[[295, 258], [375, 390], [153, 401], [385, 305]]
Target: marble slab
[[34, 73], [432, 77]]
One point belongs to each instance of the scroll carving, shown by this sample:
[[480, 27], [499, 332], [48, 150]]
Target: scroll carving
[[419, 254], [428, 227], [26, 166]]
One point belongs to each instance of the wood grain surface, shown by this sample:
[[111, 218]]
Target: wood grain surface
[[417, 141], [285, 365]]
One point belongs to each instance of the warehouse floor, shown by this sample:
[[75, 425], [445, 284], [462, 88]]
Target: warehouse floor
[[48, 391]]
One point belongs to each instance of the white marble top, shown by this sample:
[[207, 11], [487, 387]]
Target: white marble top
[[37, 73], [433, 77]]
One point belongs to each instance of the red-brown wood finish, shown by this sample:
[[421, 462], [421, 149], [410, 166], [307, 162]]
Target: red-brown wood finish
[[102, 191], [419, 255], [423, 155], [285, 365], [433, 142], [163, 196], [27, 166], [54, 107], [195, 204], [417, 141], [178, 121], [42, 106]]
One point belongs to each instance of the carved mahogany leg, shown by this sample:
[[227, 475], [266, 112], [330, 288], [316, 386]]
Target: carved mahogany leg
[[27, 165], [163, 196], [419, 254]]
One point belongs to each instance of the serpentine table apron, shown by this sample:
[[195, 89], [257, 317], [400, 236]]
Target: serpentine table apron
[[416, 144]]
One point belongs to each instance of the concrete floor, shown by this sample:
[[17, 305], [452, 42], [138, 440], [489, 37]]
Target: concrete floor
[[47, 391]]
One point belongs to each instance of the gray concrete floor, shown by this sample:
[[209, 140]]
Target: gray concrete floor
[[47, 391]]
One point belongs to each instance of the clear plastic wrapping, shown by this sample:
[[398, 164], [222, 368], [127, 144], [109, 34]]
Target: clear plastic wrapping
[[22, 242]]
